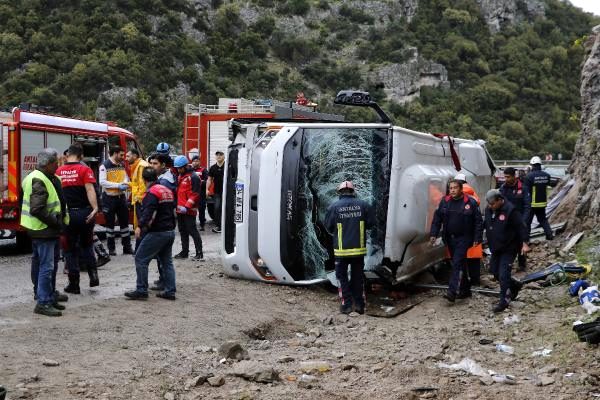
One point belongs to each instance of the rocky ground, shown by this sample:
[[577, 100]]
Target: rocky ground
[[231, 339]]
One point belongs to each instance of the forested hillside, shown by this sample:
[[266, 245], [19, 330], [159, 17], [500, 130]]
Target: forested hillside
[[138, 61]]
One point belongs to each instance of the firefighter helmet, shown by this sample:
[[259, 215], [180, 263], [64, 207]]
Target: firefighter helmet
[[163, 148], [346, 185], [535, 160], [460, 177], [180, 161]]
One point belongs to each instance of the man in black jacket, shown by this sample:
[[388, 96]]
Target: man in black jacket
[[463, 228], [515, 192], [347, 220], [156, 234], [507, 235]]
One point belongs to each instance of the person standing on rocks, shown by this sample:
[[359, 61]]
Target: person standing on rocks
[[537, 182], [44, 214], [507, 235], [462, 224], [516, 193], [156, 234], [347, 220]]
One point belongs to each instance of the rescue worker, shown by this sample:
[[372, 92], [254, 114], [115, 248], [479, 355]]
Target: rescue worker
[[347, 220], [156, 233], [158, 162], [188, 198], [138, 187], [44, 214], [462, 224], [203, 175], [516, 193], [537, 182], [475, 253], [215, 180], [507, 234], [115, 183], [80, 195]]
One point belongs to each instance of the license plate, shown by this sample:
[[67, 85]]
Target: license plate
[[239, 203]]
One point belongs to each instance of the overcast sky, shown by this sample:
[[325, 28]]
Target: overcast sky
[[592, 6]]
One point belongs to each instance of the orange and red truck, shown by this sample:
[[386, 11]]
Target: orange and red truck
[[24, 133]]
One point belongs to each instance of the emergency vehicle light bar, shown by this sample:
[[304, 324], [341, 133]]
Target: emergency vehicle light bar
[[51, 120]]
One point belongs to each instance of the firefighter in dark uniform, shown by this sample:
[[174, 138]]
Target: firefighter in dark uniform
[[462, 228], [507, 235], [347, 220], [516, 193], [537, 182], [78, 187]]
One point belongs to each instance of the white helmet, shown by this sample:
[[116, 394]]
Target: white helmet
[[460, 177], [535, 160]]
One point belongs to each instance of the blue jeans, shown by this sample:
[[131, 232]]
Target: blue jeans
[[44, 264], [153, 245]]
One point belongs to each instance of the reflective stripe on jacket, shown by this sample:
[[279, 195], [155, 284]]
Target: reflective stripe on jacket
[[537, 182], [347, 220]]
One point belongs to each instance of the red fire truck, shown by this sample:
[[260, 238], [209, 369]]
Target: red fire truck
[[25, 133]]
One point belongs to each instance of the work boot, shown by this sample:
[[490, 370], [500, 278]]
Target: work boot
[[112, 252], [73, 286], [451, 297], [47, 310], [135, 295], [360, 310], [93, 274], [346, 308], [515, 288], [102, 260], [201, 228], [58, 296], [164, 295], [181, 255], [464, 295], [500, 307], [198, 257], [127, 250], [58, 306], [157, 288]]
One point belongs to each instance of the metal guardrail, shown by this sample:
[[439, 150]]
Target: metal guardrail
[[525, 163]]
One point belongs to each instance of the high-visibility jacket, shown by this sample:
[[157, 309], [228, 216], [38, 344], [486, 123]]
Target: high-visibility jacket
[[53, 205], [138, 186], [347, 220]]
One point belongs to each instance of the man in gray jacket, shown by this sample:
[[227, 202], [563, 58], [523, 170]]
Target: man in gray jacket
[[44, 214]]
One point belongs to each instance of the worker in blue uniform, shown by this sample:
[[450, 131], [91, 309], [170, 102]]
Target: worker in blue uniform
[[460, 224], [507, 235], [347, 220]]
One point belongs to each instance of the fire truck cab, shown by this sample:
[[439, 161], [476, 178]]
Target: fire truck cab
[[23, 134]]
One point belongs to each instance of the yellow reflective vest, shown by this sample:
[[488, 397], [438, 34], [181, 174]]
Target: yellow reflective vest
[[52, 203]]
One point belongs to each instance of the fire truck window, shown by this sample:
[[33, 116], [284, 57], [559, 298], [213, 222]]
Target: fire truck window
[[132, 144], [114, 141]]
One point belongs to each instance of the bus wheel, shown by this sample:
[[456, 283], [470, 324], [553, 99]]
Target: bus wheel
[[23, 242]]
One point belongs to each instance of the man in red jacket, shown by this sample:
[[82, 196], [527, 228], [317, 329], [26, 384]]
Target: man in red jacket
[[188, 200]]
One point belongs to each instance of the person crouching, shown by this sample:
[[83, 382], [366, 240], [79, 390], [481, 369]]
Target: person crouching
[[156, 234]]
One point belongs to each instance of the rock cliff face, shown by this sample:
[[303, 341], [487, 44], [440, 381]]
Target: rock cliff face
[[403, 82], [499, 13], [582, 207]]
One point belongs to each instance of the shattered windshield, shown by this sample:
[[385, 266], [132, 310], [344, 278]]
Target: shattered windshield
[[330, 156]]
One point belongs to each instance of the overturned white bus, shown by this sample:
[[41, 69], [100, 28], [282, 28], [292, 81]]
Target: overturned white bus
[[282, 176]]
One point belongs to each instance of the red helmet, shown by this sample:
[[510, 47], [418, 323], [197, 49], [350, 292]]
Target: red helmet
[[346, 185]]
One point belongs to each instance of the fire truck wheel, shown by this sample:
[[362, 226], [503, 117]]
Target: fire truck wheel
[[23, 242]]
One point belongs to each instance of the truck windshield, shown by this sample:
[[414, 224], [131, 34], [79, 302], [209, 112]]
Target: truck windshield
[[327, 157]]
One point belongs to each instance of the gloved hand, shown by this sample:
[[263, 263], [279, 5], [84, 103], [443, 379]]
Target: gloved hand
[[123, 186], [181, 209]]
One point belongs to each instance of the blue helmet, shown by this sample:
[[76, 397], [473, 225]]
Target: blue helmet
[[163, 148], [180, 161]]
